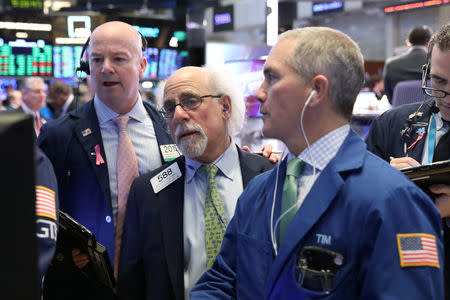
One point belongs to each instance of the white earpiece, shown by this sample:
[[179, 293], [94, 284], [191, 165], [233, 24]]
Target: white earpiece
[[313, 92]]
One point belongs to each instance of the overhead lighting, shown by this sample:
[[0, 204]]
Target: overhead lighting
[[147, 84], [21, 35], [70, 41], [272, 22], [173, 42], [25, 26], [55, 5], [419, 4]]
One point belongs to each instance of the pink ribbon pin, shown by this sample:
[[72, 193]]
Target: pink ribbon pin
[[419, 137], [98, 157]]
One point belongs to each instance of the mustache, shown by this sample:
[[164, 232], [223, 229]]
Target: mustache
[[185, 127]]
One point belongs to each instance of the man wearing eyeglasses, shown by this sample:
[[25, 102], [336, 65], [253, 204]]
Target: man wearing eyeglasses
[[177, 214], [419, 133]]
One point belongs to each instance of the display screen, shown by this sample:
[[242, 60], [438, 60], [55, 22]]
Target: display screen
[[152, 56], [170, 60], [4, 83], [250, 75], [66, 59], [25, 58]]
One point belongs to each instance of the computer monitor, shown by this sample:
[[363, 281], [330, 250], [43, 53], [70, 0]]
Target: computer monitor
[[4, 83], [19, 276], [250, 76], [22, 57], [152, 56], [66, 59], [170, 60]]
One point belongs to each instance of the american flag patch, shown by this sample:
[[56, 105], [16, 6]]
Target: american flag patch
[[417, 249], [45, 202]]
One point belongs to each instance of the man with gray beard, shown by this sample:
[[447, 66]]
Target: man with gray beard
[[177, 214]]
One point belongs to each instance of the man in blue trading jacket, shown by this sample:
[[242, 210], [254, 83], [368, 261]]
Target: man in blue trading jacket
[[166, 230], [412, 133], [348, 226], [82, 145], [46, 211]]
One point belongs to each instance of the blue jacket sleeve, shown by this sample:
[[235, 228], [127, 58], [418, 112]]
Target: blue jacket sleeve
[[47, 207]]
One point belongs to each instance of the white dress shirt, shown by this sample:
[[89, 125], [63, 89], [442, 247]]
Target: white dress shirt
[[441, 129]]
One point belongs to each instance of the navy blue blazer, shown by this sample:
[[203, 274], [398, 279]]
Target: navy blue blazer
[[152, 253], [385, 140], [84, 186], [385, 136]]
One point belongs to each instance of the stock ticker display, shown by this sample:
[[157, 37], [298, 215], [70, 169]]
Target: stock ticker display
[[65, 61], [25, 58]]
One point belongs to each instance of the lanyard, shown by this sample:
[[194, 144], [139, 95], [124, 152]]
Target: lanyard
[[431, 138]]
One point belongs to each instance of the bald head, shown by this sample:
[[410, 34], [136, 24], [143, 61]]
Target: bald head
[[117, 32], [116, 64]]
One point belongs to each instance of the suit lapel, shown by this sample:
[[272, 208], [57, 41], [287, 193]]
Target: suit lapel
[[160, 127], [171, 200], [321, 196], [249, 168], [87, 131]]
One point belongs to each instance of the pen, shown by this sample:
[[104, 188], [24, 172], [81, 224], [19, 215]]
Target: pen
[[273, 152], [391, 158]]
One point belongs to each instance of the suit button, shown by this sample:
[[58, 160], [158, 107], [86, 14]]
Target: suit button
[[108, 219]]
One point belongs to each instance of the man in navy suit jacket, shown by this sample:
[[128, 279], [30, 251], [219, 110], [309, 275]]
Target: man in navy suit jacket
[[163, 247], [82, 146]]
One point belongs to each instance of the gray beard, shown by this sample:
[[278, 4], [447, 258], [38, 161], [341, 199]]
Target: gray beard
[[192, 146]]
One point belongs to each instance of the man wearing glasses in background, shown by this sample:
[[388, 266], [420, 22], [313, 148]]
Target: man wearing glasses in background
[[178, 213], [419, 133]]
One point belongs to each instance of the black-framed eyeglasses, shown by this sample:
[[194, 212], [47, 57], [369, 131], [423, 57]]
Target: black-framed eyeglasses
[[186, 103], [429, 90]]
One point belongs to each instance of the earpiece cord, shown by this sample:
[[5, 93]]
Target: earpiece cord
[[273, 228], [306, 138], [272, 231]]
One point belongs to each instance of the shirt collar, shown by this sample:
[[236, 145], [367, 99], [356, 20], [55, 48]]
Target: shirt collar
[[419, 47], [225, 163], [28, 110], [67, 103], [105, 113], [322, 151]]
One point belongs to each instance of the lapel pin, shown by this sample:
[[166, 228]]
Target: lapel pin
[[86, 132], [98, 156]]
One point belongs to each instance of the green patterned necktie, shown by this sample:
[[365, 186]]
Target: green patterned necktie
[[289, 198], [215, 219]]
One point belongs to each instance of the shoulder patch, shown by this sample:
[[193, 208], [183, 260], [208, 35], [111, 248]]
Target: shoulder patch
[[417, 250], [45, 202]]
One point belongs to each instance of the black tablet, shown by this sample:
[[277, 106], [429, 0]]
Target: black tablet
[[72, 234], [426, 175]]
